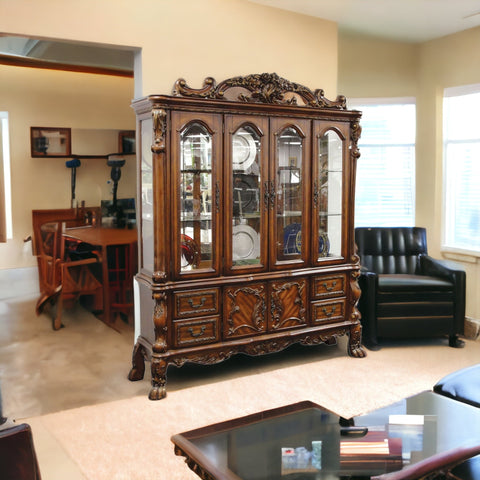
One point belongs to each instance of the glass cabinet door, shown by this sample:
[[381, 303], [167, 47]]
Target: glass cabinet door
[[197, 199], [328, 194], [247, 209], [287, 192]]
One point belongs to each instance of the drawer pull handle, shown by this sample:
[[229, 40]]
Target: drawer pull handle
[[272, 195], [217, 196], [330, 313], [329, 288], [199, 334], [266, 195], [198, 305]]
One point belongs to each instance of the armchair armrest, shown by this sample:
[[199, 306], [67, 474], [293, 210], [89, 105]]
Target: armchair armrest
[[440, 268], [456, 274], [436, 466]]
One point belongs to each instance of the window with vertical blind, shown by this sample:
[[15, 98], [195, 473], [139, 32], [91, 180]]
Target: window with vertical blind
[[5, 192], [385, 185], [461, 137]]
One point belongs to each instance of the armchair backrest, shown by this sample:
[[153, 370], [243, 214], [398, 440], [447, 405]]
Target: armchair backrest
[[387, 250]]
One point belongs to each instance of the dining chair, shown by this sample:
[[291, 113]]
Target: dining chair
[[63, 280]]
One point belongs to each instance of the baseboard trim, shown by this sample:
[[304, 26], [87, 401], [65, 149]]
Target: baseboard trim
[[472, 328]]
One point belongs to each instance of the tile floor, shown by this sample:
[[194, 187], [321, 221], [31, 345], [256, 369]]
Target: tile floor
[[44, 371]]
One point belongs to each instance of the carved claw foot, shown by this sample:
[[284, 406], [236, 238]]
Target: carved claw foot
[[455, 342], [136, 374], [159, 379], [357, 351], [138, 363], [355, 348], [157, 393]]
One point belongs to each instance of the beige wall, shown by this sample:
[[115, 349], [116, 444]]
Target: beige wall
[[50, 98], [450, 61], [193, 39], [190, 39], [369, 67]]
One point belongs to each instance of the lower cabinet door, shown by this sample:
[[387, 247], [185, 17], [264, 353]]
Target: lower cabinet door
[[244, 310], [288, 304]]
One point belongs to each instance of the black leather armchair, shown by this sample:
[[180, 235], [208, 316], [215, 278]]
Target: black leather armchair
[[406, 293]]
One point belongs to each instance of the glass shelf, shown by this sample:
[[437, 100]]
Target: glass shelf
[[330, 207], [288, 201], [246, 199]]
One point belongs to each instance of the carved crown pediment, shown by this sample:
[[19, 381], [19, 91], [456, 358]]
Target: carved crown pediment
[[268, 88]]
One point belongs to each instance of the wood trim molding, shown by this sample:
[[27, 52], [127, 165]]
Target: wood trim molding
[[35, 63]]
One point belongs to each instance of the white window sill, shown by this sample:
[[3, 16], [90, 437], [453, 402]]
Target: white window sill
[[460, 255]]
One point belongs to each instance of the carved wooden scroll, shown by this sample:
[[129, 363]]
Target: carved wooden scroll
[[260, 88]]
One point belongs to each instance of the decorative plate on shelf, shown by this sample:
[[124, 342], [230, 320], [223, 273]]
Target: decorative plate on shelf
[[189, 251], [245, 243], [292, 239], [244, 150], [323, 245]]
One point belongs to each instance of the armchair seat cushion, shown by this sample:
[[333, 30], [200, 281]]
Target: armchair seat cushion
[[416, 283]]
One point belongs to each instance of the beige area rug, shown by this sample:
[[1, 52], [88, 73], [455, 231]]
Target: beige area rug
[[130, 439]]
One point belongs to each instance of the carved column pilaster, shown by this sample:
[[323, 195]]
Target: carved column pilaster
[[160, 315], [159, 118], [159, 365], [355, 348]]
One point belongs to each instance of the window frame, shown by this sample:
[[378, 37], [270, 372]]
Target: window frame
[[6, 228], [449, 92]]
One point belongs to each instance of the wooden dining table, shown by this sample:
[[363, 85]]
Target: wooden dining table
[[103, 239]]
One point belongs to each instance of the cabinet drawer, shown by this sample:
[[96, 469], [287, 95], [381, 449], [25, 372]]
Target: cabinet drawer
[[195, 332], [329, 286], [195, 303], [328, 312]]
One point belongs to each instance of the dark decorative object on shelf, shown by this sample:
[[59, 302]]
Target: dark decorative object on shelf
[[73, 164], [115, 210]]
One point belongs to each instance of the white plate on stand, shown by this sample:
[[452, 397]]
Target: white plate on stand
[[246, 243], [244, 150]]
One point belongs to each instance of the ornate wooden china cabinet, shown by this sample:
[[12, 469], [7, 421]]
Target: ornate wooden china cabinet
[[247, 194]]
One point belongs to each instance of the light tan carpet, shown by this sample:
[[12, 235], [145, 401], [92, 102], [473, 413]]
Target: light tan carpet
[[130, 439]]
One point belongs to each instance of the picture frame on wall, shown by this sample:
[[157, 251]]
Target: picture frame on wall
[[126, 141], [50, 142]]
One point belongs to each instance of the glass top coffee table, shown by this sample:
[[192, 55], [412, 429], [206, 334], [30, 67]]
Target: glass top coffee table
[[305, 441]]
